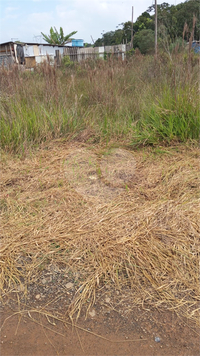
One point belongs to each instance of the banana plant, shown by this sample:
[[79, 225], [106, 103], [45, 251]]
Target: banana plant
[[58, 38]]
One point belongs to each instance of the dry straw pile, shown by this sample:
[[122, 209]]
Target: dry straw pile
[[143, 240]]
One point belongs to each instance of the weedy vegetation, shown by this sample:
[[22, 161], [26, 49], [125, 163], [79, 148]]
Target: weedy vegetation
[[145, 241], [139, 101]]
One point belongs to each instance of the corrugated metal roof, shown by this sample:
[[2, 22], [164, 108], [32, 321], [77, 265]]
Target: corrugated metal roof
[[31, 44]]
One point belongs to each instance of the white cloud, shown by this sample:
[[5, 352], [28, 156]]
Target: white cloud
[[10, 12], [26, 18], [36, 23], [38, 18], [91, 17]]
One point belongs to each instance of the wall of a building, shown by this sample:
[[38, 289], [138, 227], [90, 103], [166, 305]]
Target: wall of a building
[[37, 53], [6, 55]]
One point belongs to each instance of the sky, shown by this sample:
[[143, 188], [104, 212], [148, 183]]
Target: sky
[[24, 20]]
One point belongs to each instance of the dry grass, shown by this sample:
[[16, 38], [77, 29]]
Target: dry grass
[[145, 240], [135, 101]]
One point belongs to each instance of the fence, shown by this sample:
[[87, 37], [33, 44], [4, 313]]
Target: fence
[[78, 54], [34, 54]]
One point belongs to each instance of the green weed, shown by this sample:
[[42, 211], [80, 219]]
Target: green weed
[[136, 101]]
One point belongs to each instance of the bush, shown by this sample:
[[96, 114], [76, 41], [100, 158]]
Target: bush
[[66, 62], [144, 40]]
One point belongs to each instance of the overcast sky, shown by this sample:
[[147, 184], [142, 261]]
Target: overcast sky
[[23, 20]]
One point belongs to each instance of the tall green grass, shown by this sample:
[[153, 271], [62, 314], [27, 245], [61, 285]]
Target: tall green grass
[[139, 101]]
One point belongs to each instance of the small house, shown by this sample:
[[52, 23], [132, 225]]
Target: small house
[[28, 54]]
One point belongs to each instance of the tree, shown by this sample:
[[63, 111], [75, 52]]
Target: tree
[[171, 22], [56, 38], [110, 38], [185, 14], [144, 22], [127, 31], [144, 40], [174, 17]]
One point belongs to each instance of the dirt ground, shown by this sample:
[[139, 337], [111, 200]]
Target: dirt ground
[[142, 333], [71, 215]]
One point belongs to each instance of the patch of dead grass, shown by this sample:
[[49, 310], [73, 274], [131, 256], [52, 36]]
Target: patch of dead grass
[[144, 240]]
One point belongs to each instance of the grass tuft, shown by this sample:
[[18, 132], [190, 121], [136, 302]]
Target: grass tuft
[[137, 101]]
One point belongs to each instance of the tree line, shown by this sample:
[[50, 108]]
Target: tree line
[[175, 22]]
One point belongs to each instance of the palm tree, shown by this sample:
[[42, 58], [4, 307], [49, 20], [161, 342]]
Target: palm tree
[[56, 38]]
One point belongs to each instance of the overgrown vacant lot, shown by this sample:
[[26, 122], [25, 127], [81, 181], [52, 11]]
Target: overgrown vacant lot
[[137, 101], [100, 192], [142, 241]]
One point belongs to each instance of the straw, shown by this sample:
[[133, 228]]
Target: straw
[[143, 240]]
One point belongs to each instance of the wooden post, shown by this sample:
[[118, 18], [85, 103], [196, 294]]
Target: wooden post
[[58, 58], [156, 30], [132, 29]]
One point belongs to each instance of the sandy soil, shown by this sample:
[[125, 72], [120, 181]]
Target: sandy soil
[[141, 333]]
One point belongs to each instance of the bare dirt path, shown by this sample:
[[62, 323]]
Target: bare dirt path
[[140, 334]]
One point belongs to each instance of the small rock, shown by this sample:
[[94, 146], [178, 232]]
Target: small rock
[[92, 313], [141, 337], [69, 285], [20, 288], [92, 177], [44, 281], [107, 300], [157, 339], [37, 296]]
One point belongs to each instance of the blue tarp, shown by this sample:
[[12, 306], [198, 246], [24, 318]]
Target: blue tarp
[[196, 46]]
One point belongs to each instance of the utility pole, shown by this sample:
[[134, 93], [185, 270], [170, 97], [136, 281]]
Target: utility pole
[[156, 30], [132, 29]]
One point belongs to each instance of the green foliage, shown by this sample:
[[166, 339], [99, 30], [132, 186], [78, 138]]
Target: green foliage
[[58, 38], [144, 40], [137, 101], [167, 127], [167, 44], [110, 38], [171, 17], [174, 18], [130, 53], [173, 118], [66, 61], [143, 22], [87, 45], [127, 31], [184, 14]]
